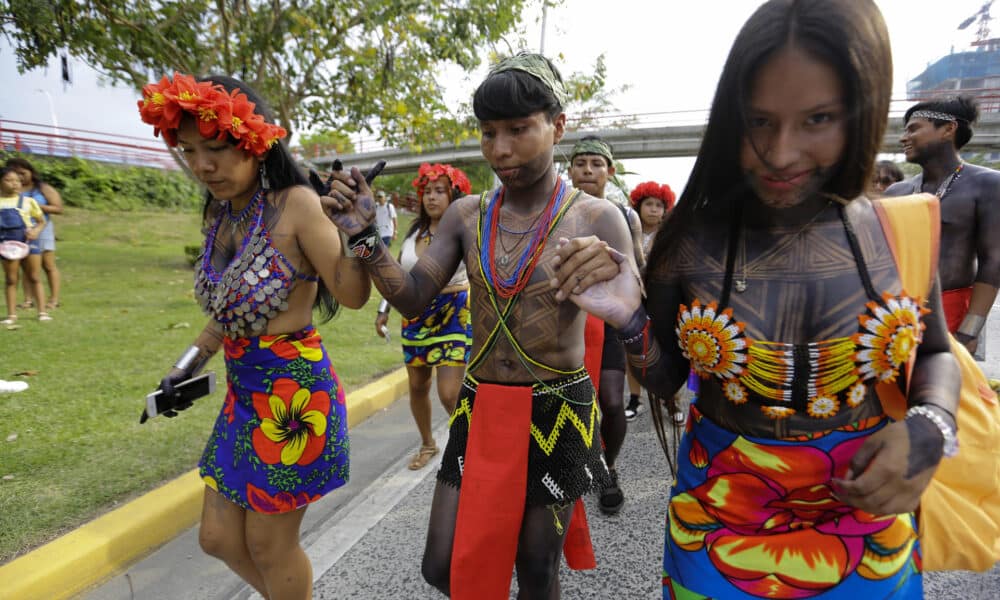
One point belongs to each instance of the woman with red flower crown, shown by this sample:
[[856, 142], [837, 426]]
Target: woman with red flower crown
[[653, 202], [771, 279], [271, 255], [440, 338]]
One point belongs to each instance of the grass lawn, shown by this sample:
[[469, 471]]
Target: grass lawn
[[71, 446]]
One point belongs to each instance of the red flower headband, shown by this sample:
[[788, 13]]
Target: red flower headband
[[651, 189], [428, 173], [219, 113]]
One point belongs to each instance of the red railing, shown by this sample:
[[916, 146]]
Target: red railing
[[101, 146]]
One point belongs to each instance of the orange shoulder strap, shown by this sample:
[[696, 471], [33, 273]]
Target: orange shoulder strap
[[918, 218], [912, 226]]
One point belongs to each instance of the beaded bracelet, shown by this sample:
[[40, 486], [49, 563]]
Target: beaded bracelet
[[947, 431], [639, 323], [364, 243]]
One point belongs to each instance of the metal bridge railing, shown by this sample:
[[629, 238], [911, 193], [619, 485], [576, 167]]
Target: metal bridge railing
[[48, 140]]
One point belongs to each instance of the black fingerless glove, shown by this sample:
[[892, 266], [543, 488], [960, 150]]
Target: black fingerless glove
[[171, 394]]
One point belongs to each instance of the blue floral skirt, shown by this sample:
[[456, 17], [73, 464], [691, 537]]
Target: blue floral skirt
[[442, 335], [280, 441]]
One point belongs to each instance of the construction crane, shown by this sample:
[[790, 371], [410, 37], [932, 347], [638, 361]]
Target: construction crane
[[984, 18]]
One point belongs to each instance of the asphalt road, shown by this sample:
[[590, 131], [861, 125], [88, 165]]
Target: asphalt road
[[366, 540]]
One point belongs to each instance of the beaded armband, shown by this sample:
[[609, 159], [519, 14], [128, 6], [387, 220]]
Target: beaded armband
[[947, 431], [364, 243]]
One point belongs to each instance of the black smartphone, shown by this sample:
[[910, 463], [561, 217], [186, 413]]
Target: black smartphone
[[189, 390], [323, 188], [373, 172]]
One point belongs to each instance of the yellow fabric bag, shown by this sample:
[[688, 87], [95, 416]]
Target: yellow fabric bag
[[959, 516]]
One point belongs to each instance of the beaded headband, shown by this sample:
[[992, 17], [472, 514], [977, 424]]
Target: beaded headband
[[933, 115], [218, 112], [428, 173]]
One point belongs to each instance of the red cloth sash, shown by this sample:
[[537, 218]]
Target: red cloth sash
[[593, 348], [491, 501], [956, 305]]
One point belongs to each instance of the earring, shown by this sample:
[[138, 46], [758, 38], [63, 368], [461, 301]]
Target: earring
[[265, 183]]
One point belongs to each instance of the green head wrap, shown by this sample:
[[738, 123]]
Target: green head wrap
[[592, 146], [538, 67]]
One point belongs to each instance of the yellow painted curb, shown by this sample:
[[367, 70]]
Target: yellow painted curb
[[110, 543]]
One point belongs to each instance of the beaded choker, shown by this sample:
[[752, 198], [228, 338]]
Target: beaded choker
[[526, 263]]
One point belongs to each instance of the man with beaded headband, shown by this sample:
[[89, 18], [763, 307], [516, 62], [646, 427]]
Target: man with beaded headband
[[270, 254], [934, 133], [523, 446]]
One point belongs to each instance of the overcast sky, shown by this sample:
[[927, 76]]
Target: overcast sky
[[670, 52]]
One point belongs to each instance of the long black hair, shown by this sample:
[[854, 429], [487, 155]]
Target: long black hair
[[282, 173], [848, 35], [423, 221]]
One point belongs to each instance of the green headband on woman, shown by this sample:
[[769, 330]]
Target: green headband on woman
[[538, 67], [592, 146]]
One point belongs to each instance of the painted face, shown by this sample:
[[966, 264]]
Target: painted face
[[590, 173], [921, 139], [228, 172], [520, 150], [436, 198], [26, 179], [797, 129], [651, 211]]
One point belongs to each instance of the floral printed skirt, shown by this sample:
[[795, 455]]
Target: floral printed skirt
[[280, 441], [756, 518], [442, 335]]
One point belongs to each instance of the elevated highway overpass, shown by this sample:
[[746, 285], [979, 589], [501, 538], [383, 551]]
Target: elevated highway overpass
[[628, 142]]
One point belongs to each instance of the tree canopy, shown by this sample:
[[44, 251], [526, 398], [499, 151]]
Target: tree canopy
[[351, 66]]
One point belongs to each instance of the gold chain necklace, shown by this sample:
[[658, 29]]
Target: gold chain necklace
[[740, 285]]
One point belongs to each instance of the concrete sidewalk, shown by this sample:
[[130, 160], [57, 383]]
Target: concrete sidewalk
[[109, 544]]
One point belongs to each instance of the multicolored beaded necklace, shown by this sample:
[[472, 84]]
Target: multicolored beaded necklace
[[489, 214], [512, 285]]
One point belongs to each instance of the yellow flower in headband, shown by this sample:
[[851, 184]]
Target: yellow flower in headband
[[219, 113]]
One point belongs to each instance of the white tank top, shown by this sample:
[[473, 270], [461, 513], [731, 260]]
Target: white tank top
[[408, 258]]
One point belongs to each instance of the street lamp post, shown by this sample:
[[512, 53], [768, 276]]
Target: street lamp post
[[52, 113]]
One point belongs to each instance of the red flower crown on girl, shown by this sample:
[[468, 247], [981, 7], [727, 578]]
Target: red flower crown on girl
[[651, 189], [428, 173], [219, 113]]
